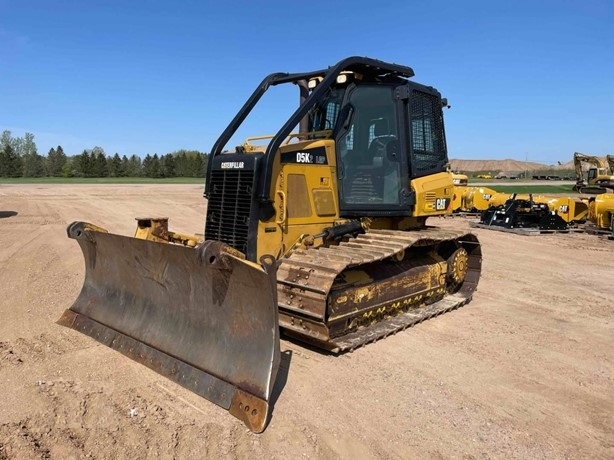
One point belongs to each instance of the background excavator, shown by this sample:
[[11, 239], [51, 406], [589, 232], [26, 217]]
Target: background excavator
[[321, 231], [600, 177]]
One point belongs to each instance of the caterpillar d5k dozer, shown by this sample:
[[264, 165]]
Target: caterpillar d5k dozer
[[334, 215]]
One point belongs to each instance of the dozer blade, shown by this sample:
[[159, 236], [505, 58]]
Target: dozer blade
[[202, 317]]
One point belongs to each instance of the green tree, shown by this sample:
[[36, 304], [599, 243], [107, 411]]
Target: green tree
[[83, 165], [181, 164], [29, 146], [126, 166], [15, 142], [67, 169], [50, 160], [99, 163], [6, 140], [156, 167], [56, 159], [3, 162], [12, 164], [147, 165], [33, 165], [168, 165], [197, 165], [135, 168], [115, 166], [152, 166], [190, 163]]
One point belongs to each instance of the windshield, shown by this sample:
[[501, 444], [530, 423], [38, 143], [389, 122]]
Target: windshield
[[368, 150]]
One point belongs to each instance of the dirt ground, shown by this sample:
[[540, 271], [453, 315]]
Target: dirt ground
[[523, 371]]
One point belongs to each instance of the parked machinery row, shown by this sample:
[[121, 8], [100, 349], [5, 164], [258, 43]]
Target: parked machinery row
[[535, 212], [532, 211]]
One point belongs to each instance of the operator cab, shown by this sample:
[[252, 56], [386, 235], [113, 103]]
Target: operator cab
[[593, 173], [377, 152]]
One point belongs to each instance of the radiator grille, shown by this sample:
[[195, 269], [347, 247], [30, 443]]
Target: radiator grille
[[229, 206]]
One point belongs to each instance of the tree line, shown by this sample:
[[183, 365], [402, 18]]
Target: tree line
[[19, 158]]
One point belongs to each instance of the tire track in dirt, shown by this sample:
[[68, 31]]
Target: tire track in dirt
[[40, 348], [8, 357], [97, 420]]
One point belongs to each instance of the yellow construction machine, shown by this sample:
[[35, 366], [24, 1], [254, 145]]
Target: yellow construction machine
[[321, 231], [571, 209], [460, 180], [599, 179], [534, 213], [476, 199], [601, 211], [470, 199]]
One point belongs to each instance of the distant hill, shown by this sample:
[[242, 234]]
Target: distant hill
[[510, 165], [497, 165]]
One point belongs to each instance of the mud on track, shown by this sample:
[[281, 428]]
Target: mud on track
[[523, 371]]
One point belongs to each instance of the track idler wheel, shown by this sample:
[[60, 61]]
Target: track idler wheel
[[457, 267]]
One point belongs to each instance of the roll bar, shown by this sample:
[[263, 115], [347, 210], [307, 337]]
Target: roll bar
[[364, 65]]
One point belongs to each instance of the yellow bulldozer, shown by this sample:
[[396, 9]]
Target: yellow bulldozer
[[322, 232]]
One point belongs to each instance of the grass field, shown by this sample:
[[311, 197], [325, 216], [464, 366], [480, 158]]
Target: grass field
[[537, 188], [101, 180]]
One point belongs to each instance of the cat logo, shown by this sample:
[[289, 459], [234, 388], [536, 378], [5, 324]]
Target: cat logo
[[441, 204]]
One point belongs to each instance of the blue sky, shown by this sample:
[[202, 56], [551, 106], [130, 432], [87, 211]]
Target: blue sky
[[526, 79]]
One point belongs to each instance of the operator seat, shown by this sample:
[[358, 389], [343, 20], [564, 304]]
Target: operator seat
[[384, 154], [372, 176], [377, 147]]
